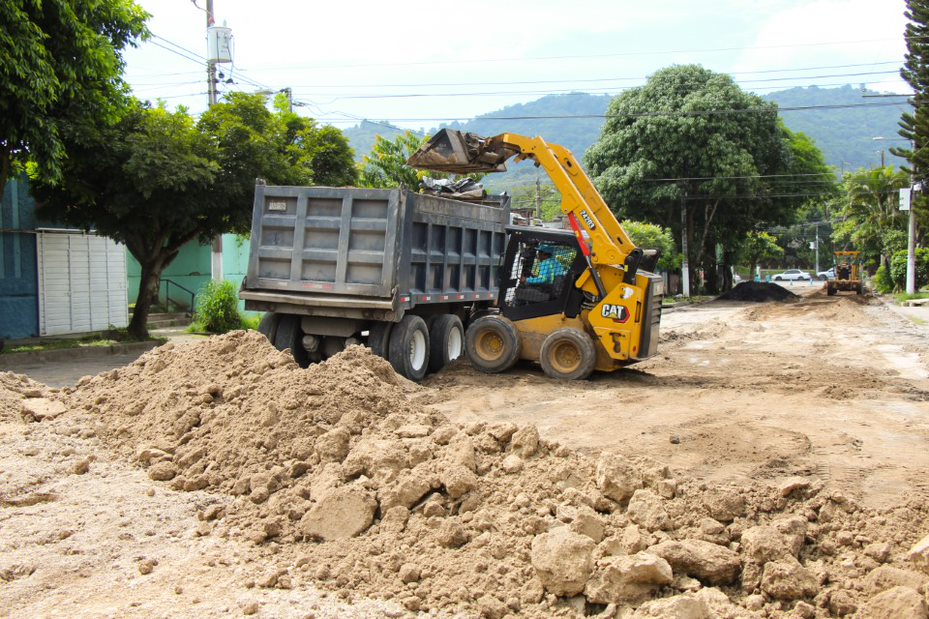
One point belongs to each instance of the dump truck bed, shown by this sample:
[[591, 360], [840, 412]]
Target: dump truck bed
[[317, 250]]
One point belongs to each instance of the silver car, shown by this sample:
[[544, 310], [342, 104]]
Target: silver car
[[792, 275]]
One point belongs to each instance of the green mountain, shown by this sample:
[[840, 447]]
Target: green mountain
[[844, 134]]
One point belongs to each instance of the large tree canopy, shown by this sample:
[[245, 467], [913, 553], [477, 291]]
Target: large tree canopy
[[60, 73], [155, 180], [692, 137]]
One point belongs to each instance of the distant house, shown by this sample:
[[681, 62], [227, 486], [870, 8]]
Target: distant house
[[55, 280]]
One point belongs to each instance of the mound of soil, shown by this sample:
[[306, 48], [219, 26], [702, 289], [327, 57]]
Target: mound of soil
[[759, 292], [340, 478]]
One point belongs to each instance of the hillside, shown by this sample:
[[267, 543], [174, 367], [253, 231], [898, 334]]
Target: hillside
[[845, 135]]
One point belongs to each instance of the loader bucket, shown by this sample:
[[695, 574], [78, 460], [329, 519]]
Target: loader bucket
[[460, 153]]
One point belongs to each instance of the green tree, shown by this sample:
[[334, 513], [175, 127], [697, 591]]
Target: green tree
[[146, 182], [691, 136], [651, 236], [758, 247], [385, 166], [867, 215], [60, 74], [155, 180]]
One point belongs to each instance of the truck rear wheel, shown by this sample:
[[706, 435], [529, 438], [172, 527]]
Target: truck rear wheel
[[379, 338], [408, 350], [568, 354], [446, 335], [268, 325], [492, 343], [289, 335]]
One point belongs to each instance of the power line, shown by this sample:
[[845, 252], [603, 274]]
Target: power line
[[417, 95], [579, 56], [588, 80], [637, 115]]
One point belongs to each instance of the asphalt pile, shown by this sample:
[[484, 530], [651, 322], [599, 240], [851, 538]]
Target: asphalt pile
[[759, 292]]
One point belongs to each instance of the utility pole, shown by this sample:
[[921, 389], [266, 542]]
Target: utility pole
[[210, 63], [817, 248], [216, 247], [685, 264], [538, 197]]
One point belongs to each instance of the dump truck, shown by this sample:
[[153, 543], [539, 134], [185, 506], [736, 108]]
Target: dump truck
[[847, 273], [421, 279], [398, 271]]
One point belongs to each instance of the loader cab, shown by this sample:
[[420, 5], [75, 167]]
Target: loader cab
[[538, 275]]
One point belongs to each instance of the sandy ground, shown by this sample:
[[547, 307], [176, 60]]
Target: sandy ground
[[834, 387], [830, 388]]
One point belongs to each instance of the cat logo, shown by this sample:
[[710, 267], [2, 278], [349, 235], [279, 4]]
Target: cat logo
[[616, 312], [588, 220]]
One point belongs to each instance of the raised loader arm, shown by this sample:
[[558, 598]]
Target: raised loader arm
[[612, 257]]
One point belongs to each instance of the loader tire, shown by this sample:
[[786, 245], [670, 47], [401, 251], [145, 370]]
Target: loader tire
[[446, 337], [268, 325], [568, 354], [289, 335], [492, 344], [408, 350]]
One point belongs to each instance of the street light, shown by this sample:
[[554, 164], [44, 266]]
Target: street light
[[911, 227]]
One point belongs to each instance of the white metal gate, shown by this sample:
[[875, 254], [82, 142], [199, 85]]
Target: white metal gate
[[82, 283]]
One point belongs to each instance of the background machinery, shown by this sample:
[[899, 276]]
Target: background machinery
[[847, 273]]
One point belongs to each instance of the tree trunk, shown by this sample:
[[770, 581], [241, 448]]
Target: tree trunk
[[148, 294]]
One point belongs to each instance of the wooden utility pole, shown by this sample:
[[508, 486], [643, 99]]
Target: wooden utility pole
[[216, 247], [685, 263]]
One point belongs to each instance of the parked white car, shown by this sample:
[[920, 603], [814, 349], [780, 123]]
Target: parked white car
[[826, 275], [792, 275]]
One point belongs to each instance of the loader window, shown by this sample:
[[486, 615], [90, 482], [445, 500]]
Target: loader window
[[539, 273]]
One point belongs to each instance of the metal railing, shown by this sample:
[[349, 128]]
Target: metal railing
[[168, 283]]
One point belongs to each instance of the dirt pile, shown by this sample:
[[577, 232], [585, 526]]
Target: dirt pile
[[22, 397], [759, 292], [339, 477]]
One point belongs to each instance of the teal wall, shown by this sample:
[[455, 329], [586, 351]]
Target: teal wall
[[191, 269], [19, 292]]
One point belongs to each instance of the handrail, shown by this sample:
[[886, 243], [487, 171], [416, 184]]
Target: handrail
[[170, 282]]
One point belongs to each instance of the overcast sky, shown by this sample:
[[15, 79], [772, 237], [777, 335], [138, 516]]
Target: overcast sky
[[417, 63]]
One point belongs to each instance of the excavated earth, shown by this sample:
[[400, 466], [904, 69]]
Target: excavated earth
[[769, 463]]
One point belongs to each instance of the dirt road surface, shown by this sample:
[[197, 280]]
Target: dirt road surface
[[834, 387], [834, 390]]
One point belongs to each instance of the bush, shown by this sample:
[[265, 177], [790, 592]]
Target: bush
[[898, 268], [882, 281], [218, 307]]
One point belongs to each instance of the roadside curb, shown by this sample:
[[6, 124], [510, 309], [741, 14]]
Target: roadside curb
[[11, 361]]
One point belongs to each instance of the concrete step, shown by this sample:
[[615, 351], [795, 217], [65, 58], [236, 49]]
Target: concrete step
[[163, 320]]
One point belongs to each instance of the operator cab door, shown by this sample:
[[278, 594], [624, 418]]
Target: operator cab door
[[528, 287]]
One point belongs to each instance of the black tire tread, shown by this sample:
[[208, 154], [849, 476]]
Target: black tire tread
[[508, 332]]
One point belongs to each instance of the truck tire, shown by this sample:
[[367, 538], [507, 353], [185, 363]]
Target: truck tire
[[568, 354], [289, 335], [379, 338], [492, 343], [268, 325], [446, 336], [408, 350]]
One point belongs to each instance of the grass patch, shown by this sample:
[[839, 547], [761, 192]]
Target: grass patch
[[901, 297], [672, 301], [248, 323], [100, 339]]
